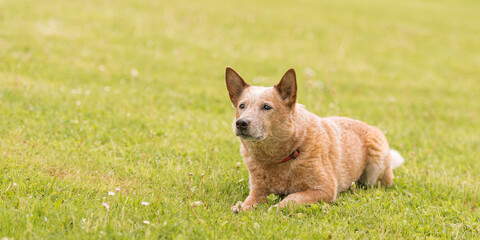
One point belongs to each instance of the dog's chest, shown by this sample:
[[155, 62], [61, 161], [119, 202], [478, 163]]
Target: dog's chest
[[283, 179]]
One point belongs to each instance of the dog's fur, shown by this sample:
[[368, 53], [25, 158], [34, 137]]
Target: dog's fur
[[334, 151]]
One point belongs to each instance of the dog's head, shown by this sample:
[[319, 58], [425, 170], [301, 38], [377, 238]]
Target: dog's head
[[262, 112]]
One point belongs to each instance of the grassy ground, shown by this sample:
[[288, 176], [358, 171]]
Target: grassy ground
[[128, 97]]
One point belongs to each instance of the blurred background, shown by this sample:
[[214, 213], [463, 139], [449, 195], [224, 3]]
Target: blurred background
[[410, 67]]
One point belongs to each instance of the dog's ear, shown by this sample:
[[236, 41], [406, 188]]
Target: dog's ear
[[235, 85], [287, 87]]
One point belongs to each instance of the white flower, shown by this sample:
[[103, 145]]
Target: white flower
[[309, 72], [106, 205], [111, 193], [146, 222], [117, 189], [134, 72], [145, 203]]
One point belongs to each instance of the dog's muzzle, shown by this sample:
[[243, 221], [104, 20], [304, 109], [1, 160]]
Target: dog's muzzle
[[242, 124]]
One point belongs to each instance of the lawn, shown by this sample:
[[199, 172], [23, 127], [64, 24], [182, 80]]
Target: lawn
[[115, 121]]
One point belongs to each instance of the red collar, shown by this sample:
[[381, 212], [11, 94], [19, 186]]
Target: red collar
[[293, 155]]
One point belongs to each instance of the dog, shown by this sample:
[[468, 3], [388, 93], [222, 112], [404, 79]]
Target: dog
[[292, 152]]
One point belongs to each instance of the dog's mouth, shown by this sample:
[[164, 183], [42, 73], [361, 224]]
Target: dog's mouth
[[245, 136]]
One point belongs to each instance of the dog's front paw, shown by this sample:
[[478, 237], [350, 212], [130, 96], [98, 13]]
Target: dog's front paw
[[247, 206], [237, 207], [287, 202]]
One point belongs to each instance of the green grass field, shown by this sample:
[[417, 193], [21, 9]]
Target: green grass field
[[128, 97]]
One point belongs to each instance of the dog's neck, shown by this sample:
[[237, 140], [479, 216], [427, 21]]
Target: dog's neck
[[274, 149]]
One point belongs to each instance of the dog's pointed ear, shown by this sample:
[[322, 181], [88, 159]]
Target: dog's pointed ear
[[287, 87], [235, 85]]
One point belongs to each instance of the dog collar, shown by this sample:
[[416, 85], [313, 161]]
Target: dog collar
[[293, 155]]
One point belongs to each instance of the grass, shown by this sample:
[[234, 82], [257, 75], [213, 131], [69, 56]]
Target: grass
[[129, 97]]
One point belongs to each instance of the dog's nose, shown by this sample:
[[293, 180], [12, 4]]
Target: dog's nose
[[242, 124]]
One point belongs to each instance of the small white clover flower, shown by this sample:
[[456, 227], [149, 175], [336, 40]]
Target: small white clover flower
[[111, 193], [145, 203], [106, 205], [134, 72]]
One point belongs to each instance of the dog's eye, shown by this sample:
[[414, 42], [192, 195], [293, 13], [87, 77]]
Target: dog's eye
[[241, 106], [266, 107]]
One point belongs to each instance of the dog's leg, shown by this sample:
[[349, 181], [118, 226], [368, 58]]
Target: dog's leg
[[309, 197], [379, 158], [255, 197], [387, 178]]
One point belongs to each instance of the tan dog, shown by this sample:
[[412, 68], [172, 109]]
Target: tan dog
[[293, 152]]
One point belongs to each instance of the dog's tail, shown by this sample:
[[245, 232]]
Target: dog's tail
[[397, 159]]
